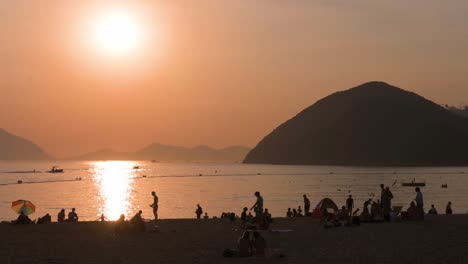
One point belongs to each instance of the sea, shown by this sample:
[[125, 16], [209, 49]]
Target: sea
[[124, 187]]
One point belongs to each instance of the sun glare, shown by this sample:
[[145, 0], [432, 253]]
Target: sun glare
[[114, 180], [117, 33]]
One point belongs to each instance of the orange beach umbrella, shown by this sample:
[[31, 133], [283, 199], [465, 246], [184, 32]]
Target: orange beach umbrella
[[23, 206]]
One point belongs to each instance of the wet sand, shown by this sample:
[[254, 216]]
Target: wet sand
[[438, 239]]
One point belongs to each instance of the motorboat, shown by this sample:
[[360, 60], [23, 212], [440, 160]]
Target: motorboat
[[55, 169]]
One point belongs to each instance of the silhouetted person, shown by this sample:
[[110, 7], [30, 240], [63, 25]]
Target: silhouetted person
[[61, 216], [102, 218], [294, 212], [387, 203], [72, 216], [448, 209], [121, 226], [419, 202], [155, 205], [244, 246], [259, 244], [23, 219], [199, 211], [244, 215], [413, 211], [258, 206], [306, 205], [432, 211], [299, 211], [350, 204], [137, 222], [382, 193], [289, 213], [206, 216], [46, 219]]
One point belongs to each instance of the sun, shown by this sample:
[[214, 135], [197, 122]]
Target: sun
[[117, 33]]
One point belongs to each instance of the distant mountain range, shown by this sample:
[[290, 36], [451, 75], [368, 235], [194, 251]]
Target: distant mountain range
[[374, 124], [16, 148], [170, 153]]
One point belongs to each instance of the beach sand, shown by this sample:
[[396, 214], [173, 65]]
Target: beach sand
[[438, 239]]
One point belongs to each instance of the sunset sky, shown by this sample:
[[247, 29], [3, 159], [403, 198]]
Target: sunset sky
[[216, 72]]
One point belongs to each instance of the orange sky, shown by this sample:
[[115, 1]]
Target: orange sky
[[216, 72]]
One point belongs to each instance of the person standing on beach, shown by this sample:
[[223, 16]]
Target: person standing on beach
[[419, 203], [448, 209], [199, 211], [306, 205], [350, 204], [258, 206], [382, 194], [155, 205], [387, 203]]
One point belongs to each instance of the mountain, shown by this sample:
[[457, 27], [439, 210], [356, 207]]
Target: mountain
[[104, 154], [171, 153], [16, 148], [374, 124]]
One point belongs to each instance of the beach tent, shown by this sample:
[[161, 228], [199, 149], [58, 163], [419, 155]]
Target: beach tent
[[322, 206]]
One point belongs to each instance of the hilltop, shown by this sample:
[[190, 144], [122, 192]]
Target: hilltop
[[13, 147], [374, 124]]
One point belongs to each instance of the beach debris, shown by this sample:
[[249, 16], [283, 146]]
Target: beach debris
[[444, 186]]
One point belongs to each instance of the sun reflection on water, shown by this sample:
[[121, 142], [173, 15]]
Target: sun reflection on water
[[115, 182]]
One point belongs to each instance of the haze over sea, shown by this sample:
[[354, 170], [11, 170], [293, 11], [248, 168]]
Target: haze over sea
[[115, 187]]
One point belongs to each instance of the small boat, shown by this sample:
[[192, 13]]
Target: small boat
[[136, 167], [55, 169], [413, 184]]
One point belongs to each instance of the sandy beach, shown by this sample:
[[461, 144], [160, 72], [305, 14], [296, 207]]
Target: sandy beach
[[438, 239]]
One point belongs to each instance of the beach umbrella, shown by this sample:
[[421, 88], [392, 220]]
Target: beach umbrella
[[23, 206]]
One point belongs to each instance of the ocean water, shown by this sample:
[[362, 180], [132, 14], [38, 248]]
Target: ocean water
[[116, 187]]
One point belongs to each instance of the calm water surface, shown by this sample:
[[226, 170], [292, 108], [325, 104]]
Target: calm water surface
[[115, 187]]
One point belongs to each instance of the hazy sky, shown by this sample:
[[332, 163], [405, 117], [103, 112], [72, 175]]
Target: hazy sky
[[217, 72]]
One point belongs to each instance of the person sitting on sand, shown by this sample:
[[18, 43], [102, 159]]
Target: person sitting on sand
[[448, 209], [23, 219], [199, 211], [121, 226], [61, 216], [299, 211], [294, 212], [244, 215], [206, 216], [244, 246], [412, 212], [259, 244], [432, 211], [365, 215], [343, 214], [72, 216], [46, 219], [289, 213], [137, 222]]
